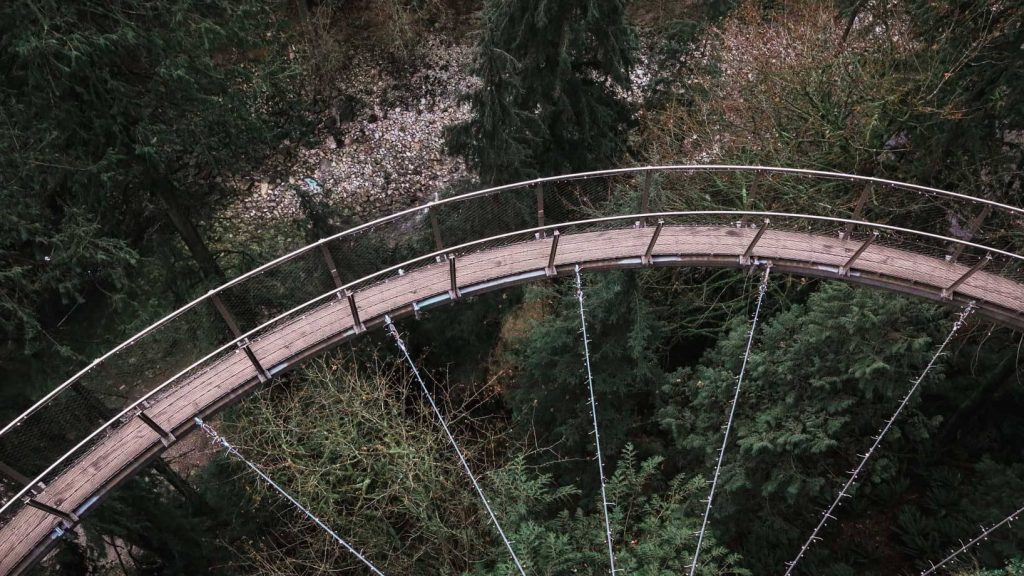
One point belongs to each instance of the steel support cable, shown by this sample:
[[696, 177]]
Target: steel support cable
[[451, 439], [983, 536], [844, 492], [761, 290], [593, 414], [231, 450]]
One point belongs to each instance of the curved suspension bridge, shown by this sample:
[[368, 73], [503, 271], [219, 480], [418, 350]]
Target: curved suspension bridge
[[64, 454]]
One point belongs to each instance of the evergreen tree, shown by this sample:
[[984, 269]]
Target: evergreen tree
[[553, 80], [121, 125], [550, 397], [652, 527], [821, 379]]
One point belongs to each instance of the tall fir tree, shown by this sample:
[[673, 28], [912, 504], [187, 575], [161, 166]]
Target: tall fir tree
[[121, 125], [551, 99]]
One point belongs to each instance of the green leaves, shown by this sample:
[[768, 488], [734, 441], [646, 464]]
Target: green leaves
[[550, 97], [626, 335], [101, 100], [822, 378]]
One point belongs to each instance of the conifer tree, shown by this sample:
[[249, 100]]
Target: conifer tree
[[120, 125], [551, 99], [627, 333], [821, 378]]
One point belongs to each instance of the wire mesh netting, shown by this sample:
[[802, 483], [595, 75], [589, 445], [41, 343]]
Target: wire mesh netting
[[269, 299], [269, 293]]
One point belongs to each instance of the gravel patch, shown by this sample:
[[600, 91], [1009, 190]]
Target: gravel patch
[[390, 153]]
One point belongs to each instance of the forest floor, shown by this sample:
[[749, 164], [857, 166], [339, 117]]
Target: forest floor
[[384, 150], [389, 152]]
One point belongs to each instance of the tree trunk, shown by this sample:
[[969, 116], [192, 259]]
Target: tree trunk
[[195, 500], [189, 233], [851, 19], [316, 211]]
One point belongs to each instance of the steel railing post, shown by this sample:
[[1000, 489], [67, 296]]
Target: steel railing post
[[550, 269], [648, 257], [166, 438], [947, 292], [844, 270], [745, 257]]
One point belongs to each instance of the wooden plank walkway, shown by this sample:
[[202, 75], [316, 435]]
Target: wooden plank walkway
[[30, 532]]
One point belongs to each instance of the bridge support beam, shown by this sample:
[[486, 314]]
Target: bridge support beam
[[261, 372], [166, 438], [844, 270], [550, 269], [648, 259], [745, 258], [947, 293], [357, 325], [69, 517]]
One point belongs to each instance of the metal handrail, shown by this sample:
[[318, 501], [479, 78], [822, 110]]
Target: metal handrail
[[493, 190], [461, 248], [486, 192]]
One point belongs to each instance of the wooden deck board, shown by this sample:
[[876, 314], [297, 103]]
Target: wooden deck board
[[29, 527], [226, 366]]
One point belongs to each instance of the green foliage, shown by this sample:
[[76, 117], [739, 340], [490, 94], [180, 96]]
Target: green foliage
[[1013, 568], [967, 134], [653, 534], [550, 392], [552, 80], [950, 502], [367, 456], [113, 116], [52, 267], [359, 447], [822, 377]]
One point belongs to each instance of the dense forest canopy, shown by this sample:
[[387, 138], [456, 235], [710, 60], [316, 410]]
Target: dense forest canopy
[[133, 130]]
